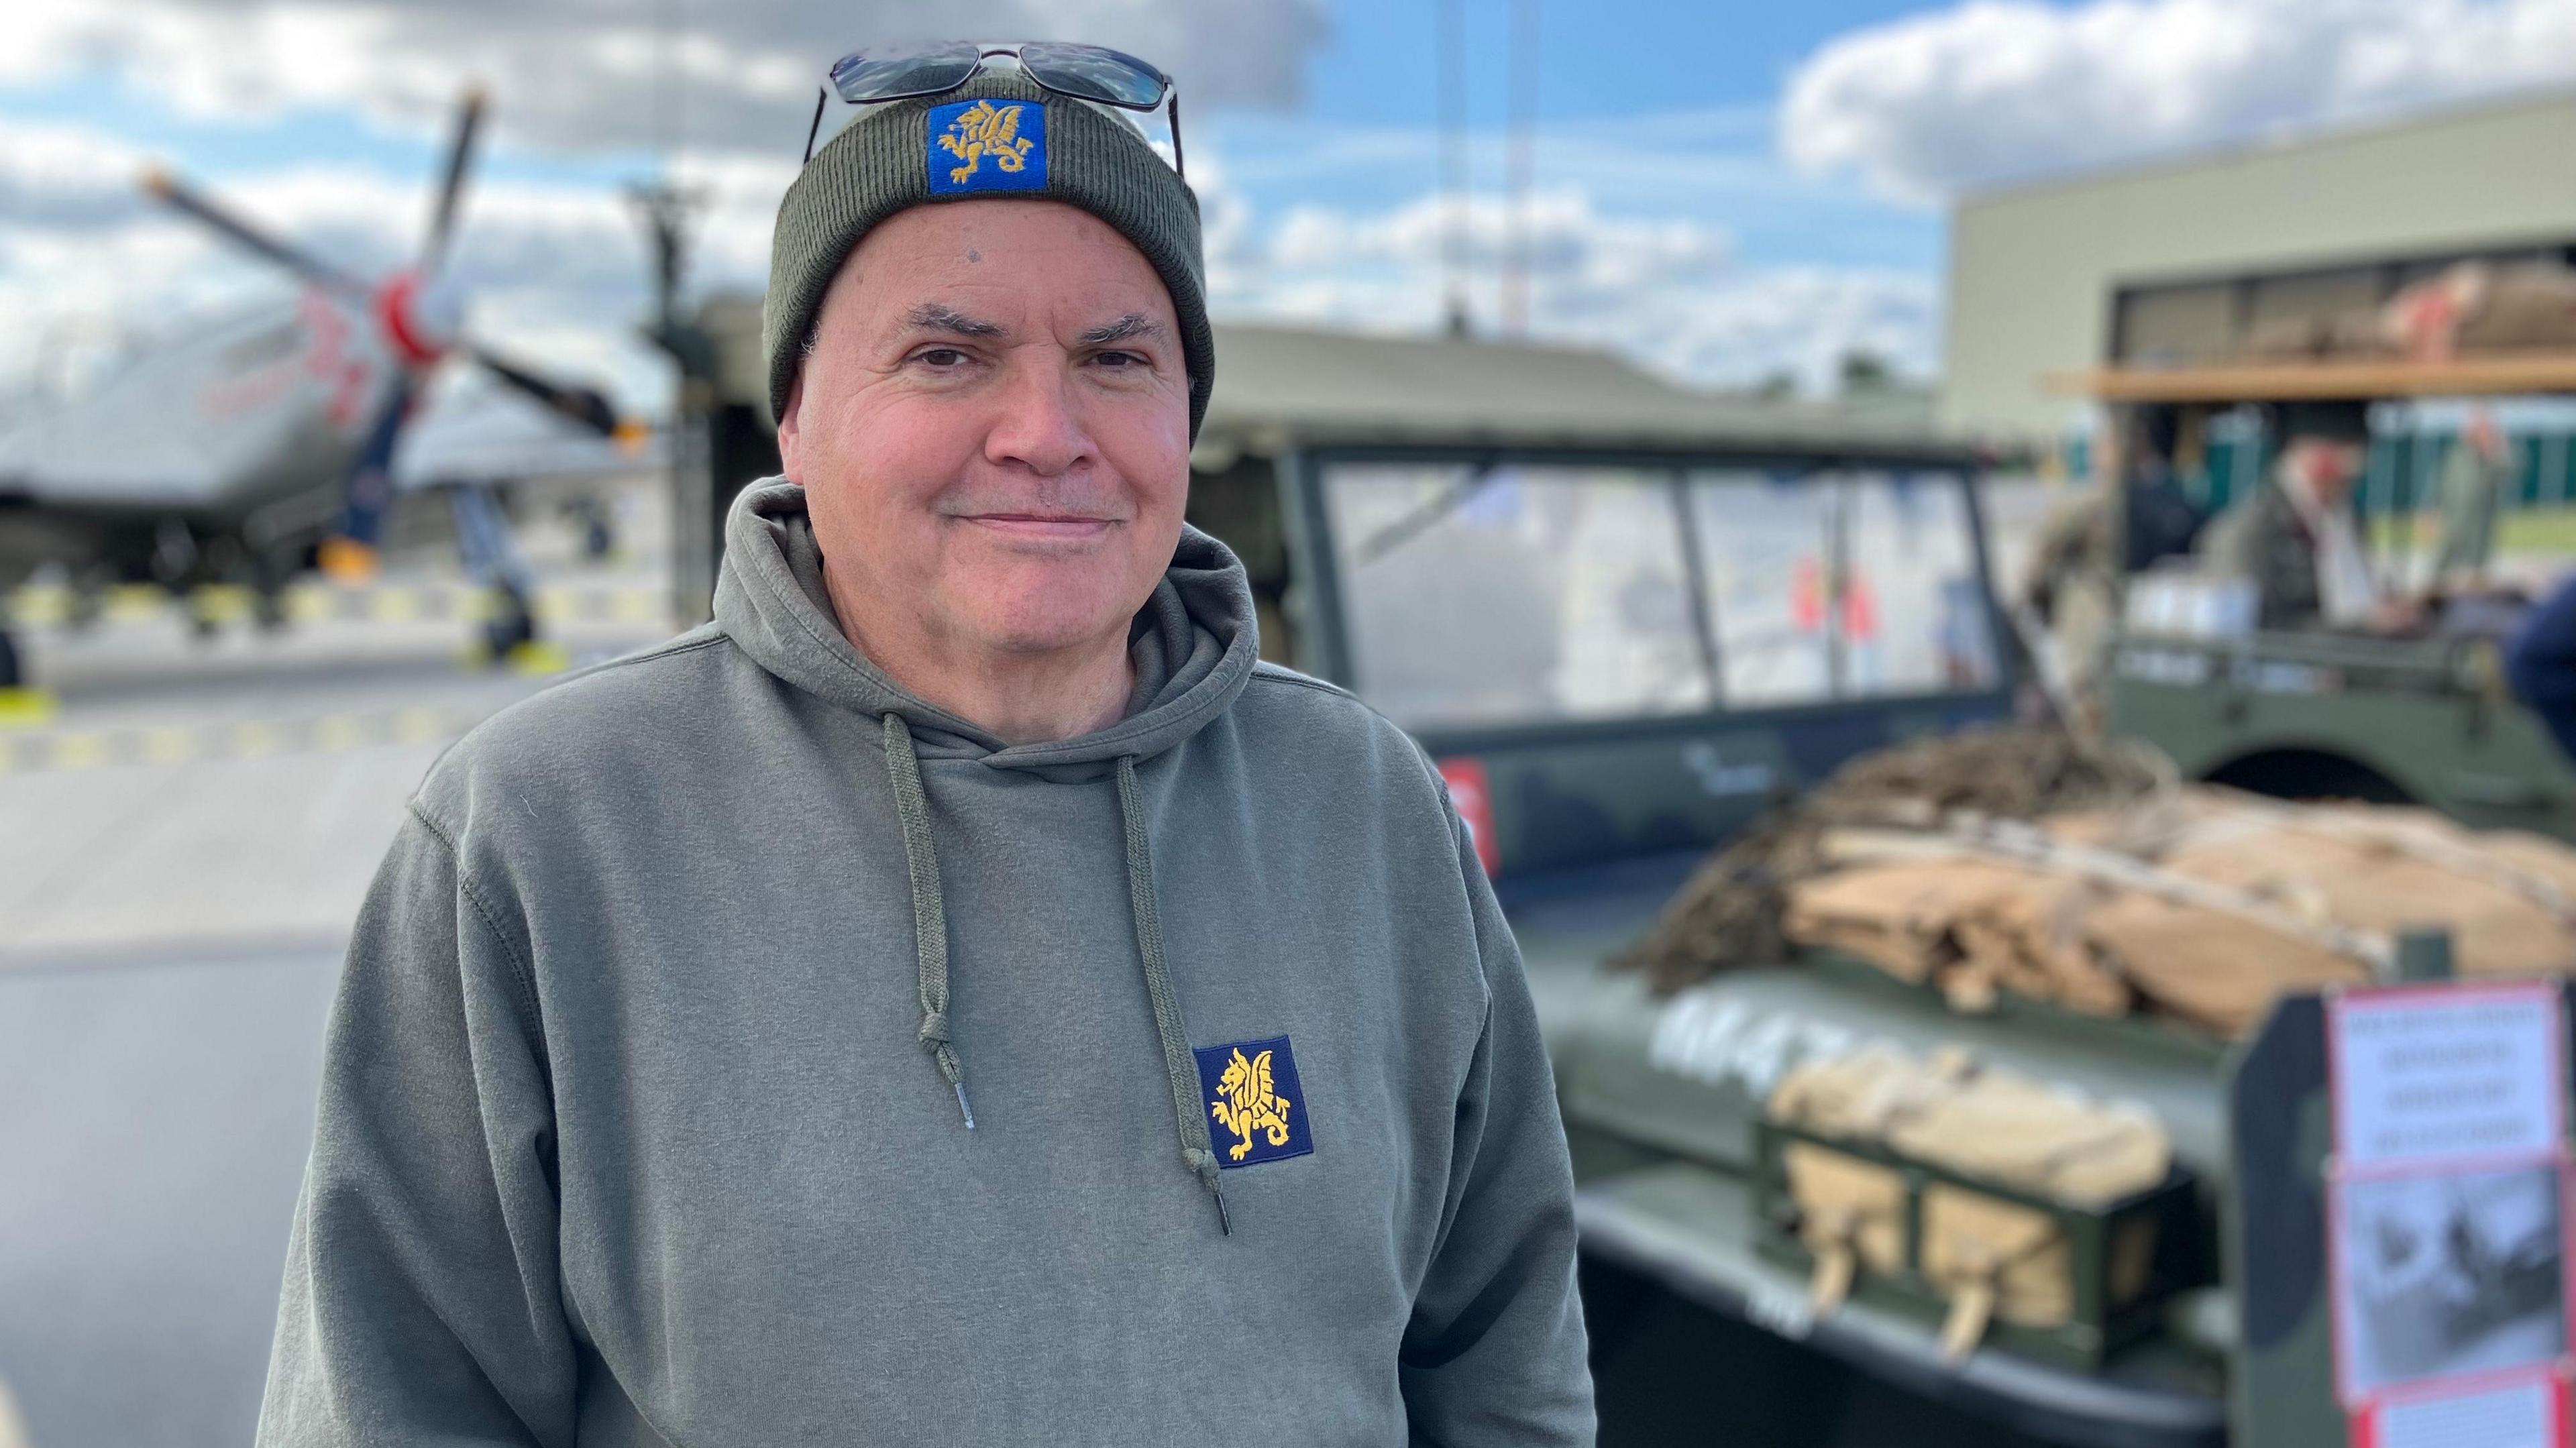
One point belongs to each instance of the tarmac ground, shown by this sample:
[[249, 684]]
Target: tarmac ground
[[182, 848]]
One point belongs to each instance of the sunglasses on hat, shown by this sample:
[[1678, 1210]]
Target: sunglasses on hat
[[1093, 73]]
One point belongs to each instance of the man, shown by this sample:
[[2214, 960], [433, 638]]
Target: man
[[960, 995], [2162, 520], [2298, 540], [2135, 514], [2470, 494]]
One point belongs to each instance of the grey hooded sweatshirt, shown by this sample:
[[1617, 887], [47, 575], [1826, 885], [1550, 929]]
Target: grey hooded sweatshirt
[[645, 1117]]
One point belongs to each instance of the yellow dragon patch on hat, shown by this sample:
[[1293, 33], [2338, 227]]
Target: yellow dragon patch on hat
[[987, 145]]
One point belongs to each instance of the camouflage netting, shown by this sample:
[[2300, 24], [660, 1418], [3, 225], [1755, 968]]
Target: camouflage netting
[[1730, 911], [2028, 864]]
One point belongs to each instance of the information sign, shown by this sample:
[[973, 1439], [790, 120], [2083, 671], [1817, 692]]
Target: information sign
[[2445, 1220]]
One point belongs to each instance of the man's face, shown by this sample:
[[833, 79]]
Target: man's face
[[993, 428], [2329, 468]]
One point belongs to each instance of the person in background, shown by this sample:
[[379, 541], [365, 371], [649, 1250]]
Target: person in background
[[2163, 521], [2299, 540], [2135, 514], [2474, 477], [2540, 663]]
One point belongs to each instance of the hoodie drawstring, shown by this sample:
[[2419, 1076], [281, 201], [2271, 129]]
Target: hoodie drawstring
[[930, 934], [929, 912], [1196, 1151]]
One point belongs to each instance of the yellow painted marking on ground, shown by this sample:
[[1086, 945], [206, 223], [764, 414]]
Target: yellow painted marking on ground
[[81, 751], [41, 607], [130, 601], [168, 745], [537, 657], [22, 708], [13, 1426], [256, 738], [221, 603], [54, 606]]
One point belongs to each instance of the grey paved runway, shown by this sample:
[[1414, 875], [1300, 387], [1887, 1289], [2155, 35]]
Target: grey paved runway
[[154, 1118], [170, 928]]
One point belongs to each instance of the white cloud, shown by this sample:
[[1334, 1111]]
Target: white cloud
[[584, 76], [1576, 255], [555, 272], [556, 269], [65, 176], [1664, 290], [1994, 89]]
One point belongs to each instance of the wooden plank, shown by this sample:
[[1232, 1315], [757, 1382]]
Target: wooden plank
[[2513, 374]]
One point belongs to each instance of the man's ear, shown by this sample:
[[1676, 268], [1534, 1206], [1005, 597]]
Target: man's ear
[[790, 437]]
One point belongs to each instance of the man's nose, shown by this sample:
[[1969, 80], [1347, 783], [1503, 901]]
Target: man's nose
[[1039, 427]]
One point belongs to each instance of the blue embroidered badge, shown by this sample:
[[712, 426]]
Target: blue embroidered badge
[[1256, 1108], [987, 146]]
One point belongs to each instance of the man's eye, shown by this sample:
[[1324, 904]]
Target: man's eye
[[1119, 359], [941, 356]]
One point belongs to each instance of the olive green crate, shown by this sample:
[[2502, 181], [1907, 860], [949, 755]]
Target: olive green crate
[[2097, 1326]]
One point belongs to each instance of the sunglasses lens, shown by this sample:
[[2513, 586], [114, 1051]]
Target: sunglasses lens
[[892, 72], [1094, 73]]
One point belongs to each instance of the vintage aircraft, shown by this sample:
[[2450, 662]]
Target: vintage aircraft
[[262, 446]]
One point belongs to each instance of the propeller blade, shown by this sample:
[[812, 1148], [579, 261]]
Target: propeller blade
[[367, 489], [170, 191], [451, 189], [578, 404]]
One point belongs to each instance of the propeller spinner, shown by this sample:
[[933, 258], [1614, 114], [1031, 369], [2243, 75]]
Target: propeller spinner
[[420, 315]]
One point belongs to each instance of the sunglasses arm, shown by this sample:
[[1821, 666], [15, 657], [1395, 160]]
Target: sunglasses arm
[[821, 96], [1177, 168]]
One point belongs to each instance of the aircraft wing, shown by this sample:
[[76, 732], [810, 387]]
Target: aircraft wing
[[490, 434], [208, 419]]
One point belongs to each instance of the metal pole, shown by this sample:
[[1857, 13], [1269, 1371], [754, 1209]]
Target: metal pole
[[1519, 162], [2373, 479], [2245, 464], [1452, 61], [2425, 472], [693, 530]]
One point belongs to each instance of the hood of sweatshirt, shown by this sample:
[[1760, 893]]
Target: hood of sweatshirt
[[1194, 644]]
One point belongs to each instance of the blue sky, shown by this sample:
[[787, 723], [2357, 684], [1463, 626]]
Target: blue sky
[[1710, 75], [1723, 191], [1630, 59]]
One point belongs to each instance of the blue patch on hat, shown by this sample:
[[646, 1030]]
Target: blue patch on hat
[[1256, 1107], [987, 145]]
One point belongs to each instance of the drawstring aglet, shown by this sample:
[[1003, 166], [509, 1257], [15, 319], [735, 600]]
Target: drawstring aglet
[[962, 1108], [1224, 1225]]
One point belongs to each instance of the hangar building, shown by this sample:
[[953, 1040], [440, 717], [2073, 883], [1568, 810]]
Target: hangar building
[[2180, 260]]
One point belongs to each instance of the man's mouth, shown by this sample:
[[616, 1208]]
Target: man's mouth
[[1043, 527]]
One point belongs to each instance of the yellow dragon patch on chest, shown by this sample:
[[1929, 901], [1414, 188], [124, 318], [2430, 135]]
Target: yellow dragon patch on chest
[[1254, 1101]]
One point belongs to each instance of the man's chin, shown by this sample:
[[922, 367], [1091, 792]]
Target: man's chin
[[1032, 617]]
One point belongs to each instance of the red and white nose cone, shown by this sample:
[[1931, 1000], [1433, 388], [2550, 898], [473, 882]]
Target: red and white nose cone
[[421, 318]]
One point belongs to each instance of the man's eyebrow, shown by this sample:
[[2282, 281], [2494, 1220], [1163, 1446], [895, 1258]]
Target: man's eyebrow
[[1126, 328], [940, 317]]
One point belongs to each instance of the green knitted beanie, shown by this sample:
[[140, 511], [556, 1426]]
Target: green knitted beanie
[[971, 143]]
